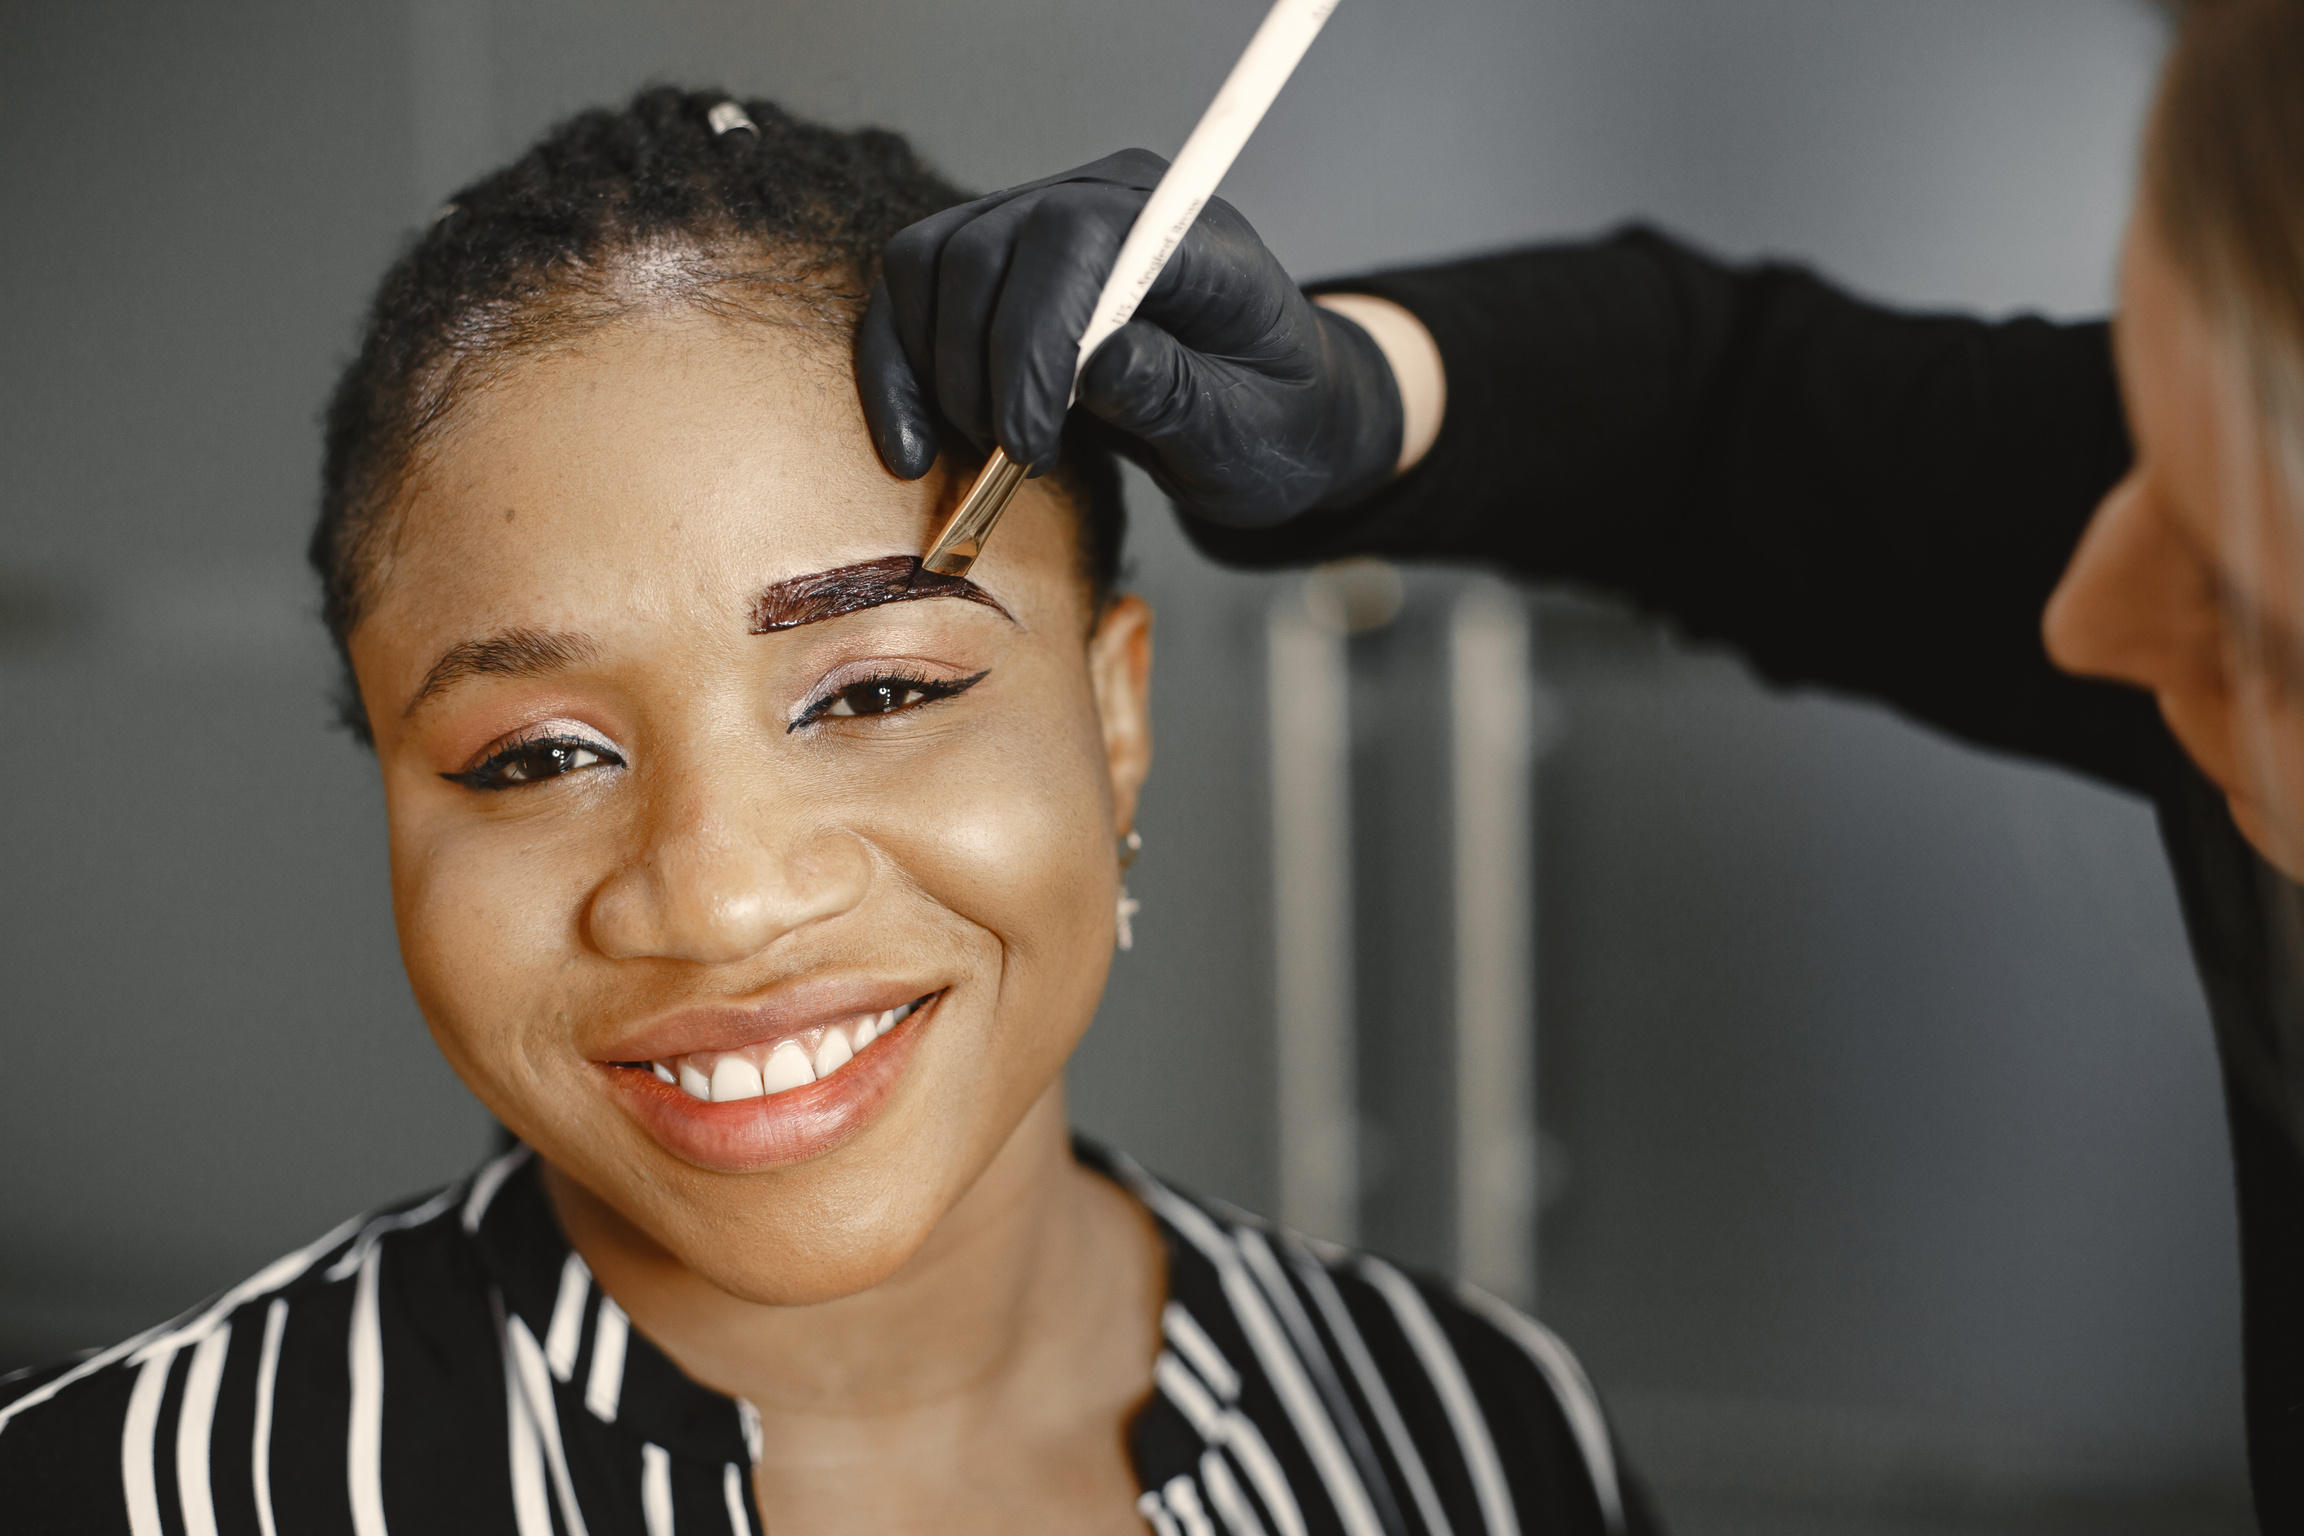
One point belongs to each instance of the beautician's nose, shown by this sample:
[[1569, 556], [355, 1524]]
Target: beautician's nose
[[2136, 604], [726, 868]]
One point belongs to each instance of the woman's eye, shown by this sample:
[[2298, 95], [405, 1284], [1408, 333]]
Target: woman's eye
[[531, 762], [878, 697], [884, 695]]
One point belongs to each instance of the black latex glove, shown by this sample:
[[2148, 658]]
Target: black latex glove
[[1246, 402]]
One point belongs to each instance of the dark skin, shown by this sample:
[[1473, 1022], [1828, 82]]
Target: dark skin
[[614, 803]]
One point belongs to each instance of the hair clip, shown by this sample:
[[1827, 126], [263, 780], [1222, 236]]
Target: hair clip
[[728, 117]]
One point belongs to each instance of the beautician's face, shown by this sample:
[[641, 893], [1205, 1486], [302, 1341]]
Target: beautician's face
[[628, 832], [2190, 579]]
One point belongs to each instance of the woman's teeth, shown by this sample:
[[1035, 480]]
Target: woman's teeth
[[722, 1076], [787, 1068], [735, 1078]]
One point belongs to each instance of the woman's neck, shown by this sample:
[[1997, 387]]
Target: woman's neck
[[1023, 1330]]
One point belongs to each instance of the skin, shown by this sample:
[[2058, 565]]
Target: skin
[[2186, 582], [1416, 368], [943, 1321]]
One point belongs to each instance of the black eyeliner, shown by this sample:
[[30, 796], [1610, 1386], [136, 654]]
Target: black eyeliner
[[936, 690], [478, 776]]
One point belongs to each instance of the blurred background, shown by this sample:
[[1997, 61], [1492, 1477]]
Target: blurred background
[[1883, 1187]]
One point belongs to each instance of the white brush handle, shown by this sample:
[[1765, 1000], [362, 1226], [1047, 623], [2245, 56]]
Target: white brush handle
[[1191, 180]]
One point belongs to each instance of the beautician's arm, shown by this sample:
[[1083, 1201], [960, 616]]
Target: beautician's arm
[[1852, 497], [1855, 498]]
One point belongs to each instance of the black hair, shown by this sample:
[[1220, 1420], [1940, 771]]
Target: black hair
[[773, 219]]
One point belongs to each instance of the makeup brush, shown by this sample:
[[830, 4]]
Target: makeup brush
[[1191, 180]]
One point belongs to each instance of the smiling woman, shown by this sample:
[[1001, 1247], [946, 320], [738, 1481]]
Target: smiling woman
[[762, 884]]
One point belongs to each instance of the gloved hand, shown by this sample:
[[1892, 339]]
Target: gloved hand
[[1246, 402]]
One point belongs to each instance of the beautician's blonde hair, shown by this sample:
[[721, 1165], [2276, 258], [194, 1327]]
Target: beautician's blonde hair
[[2223, 183], [2223, 190]]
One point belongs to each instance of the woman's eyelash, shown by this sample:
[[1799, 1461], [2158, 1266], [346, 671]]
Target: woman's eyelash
[[532, 762], [551, 757], [884, 693]]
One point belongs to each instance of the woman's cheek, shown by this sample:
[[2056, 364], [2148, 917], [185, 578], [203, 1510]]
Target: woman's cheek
[[490, 918], [1013, 835], [1002, 855]]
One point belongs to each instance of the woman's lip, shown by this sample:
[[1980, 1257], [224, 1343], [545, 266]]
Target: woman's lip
[[763, 1021], [752, 1135]]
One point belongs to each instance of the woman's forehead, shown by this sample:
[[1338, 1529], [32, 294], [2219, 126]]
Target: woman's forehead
[[648, 427], [683, 466], [649, 456]]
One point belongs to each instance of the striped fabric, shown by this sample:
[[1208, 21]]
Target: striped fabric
[[451, 1367]]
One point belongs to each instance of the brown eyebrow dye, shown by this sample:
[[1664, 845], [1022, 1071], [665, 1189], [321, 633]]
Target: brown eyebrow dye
[[846, 589]]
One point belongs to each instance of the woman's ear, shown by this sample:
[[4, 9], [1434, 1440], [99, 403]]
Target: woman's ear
[[1120, 670]]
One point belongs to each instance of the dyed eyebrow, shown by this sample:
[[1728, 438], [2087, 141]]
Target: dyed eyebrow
[[514, 653], [844, 589]]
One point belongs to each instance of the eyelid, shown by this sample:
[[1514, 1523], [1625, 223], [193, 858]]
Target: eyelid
[[904, 668], [538, 733], [862, 668]]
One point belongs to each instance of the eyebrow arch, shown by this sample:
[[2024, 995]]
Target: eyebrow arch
[[514, 653], [844, 589]]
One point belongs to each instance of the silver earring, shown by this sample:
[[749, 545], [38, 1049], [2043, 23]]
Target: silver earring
[[1130, 846]]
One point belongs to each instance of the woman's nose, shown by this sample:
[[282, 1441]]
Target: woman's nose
[[721, 877]]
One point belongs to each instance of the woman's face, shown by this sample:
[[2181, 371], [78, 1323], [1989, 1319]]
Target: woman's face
[[633, 835], [2190, 579]]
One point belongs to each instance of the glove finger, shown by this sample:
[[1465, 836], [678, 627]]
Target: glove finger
[[1062, 258], [911, 265], [1224, 292], [911, 262], [912, 254], [969, 280], [908, 272], [902, 424], [1220, 439], [1137, 168], [1146, 383]]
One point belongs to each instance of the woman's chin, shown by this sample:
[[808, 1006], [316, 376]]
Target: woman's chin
[[824, 1263]]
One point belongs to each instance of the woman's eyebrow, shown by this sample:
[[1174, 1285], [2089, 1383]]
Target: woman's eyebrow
[[513, 653], [822, 595]]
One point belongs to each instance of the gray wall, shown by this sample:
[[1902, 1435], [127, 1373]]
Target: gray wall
[[1884, 1090]]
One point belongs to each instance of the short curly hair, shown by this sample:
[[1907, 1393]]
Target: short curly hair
[[611, 213]]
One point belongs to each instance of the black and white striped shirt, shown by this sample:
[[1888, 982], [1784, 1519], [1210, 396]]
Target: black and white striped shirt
[[450, 1366]]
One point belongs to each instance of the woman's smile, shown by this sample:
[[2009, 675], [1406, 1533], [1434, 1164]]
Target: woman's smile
[[743, 1089], [765, 1068]]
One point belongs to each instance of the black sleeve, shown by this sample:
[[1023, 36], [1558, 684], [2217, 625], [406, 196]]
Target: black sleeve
[[1852, 497]]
